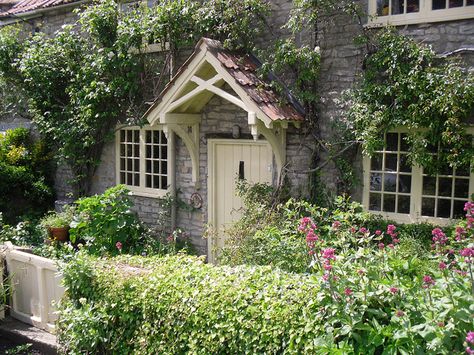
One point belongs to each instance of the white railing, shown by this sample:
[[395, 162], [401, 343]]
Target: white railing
[[35, 288]]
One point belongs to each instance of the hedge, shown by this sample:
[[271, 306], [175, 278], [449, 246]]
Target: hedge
[[179, 304]]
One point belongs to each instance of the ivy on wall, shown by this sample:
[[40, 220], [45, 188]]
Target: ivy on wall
[[405, 84]]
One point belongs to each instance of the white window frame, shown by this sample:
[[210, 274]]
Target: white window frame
[[416, 193], [424, 15], [142, 190]]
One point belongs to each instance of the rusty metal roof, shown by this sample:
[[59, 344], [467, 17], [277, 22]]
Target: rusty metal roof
[[24, 6], [243, 69]]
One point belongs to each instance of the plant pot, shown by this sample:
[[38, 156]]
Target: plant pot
[[60, 234]]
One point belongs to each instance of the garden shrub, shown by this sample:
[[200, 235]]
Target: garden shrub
[[24, 233], [363, 296], [267, 234], [106, 224], [25, 176]]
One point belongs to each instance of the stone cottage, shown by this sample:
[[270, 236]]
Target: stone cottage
[[217, 122]]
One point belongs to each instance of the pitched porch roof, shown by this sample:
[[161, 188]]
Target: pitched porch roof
[[239, 71]]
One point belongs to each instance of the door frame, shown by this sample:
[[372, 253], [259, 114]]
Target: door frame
[[211, 187]]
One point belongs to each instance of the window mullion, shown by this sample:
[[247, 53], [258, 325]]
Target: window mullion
[[142, 158], [416, 192]]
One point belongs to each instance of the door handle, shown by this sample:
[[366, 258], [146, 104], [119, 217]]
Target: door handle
[[241, 170]]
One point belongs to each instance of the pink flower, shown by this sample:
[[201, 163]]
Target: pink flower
[[439, 237], [469, 207], [391, 246], [353, 229], [391, 230], [327, 266], [460, 232], [440, 324], [428, 281], [328, 254], [325, 277], [442, 265], [394, 290], [467, 252], [399, 313], [306, 225], [378, 232], [470, 337], [336, 225], [395, 241], [469, 351], [381, 246], [311, 236], [118, 245], [363, 230], [348, 291]]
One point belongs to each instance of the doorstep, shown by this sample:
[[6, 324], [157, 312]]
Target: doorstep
[[21, 333]]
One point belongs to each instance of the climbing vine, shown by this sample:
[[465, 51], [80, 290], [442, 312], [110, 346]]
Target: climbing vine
[[87, 78], [405, 84]]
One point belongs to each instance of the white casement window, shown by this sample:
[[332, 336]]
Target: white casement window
[[402, 12], [142, 160], [405, 193]]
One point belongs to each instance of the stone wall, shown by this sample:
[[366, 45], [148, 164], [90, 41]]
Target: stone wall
[[341, 66]]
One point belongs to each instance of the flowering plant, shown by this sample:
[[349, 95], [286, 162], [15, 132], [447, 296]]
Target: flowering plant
[[374, 300]]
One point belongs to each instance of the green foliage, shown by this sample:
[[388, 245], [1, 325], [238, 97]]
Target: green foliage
[[86, 79], [370, 300], [25, 175], [302, 62], [24, 233], [137, 305], [57, 220], [406, 85], [102, 221]]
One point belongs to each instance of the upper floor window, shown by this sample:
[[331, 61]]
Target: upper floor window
[[400, 12], [142, 160], [399, 191]]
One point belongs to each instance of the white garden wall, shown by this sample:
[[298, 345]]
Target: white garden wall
[[36, 287]]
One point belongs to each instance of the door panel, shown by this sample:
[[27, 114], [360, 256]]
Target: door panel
[[253, 160]]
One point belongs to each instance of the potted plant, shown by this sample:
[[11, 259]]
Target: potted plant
[[57, 225]]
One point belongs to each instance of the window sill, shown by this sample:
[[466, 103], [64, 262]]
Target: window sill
[[144, 192], [416, 18], [405, 218]]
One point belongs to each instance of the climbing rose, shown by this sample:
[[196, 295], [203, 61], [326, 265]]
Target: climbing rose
[[469, 351], [118, 246], [336, 225], [348, 291], [442, 265], [363, 230], [381, 246], [378, 232]]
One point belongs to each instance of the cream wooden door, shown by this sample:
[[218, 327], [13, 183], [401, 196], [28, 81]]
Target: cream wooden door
[[230, 160]]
